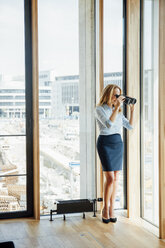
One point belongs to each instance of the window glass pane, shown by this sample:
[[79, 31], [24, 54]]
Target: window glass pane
[[12, 155], [59, 101], [149, 123], [113, 60], [12, 194], [12, 74], [13, 185]]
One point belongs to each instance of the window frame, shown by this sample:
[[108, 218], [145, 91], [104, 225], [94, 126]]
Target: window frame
[[142, 114], [29, 121]]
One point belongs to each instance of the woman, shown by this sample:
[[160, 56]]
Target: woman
[[109, 143]]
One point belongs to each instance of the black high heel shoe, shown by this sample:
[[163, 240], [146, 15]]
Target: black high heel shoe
[[104, 220], [113, 220]]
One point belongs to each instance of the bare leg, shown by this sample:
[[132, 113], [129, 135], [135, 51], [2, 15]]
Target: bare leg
[[108, 189], [113, 195]]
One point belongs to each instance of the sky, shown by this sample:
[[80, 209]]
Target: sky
[[113, 35], [11, 37], [58, 36]]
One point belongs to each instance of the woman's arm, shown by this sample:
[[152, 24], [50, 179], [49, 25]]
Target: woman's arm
[[120, 99], [102, 117], [114, 114], [128, 124]]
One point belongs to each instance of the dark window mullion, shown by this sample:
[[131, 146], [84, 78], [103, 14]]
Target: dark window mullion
[[124, 107], [29, 105], [16, 175]]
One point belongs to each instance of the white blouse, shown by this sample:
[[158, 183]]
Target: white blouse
[[106, 126]]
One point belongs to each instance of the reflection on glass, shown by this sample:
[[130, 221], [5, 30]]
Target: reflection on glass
[[58, 102], [113, 60], [12, 155], [12, 81], [149, 122], [12, 194]]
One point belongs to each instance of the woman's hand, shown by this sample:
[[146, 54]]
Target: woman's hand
[[120, 99], [132, 107]]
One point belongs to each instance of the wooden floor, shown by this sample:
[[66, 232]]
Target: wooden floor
[[77, 232]]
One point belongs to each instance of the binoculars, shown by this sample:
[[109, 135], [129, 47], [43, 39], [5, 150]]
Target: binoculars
[[128, 100]]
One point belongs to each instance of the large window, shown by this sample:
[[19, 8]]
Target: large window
[[15, 168], [113, 65], [66, 101], [59, 102], [149, 111]]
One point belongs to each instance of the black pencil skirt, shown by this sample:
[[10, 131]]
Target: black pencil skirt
[[110, 150]]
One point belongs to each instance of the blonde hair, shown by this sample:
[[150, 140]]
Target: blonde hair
[[107, 94]]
